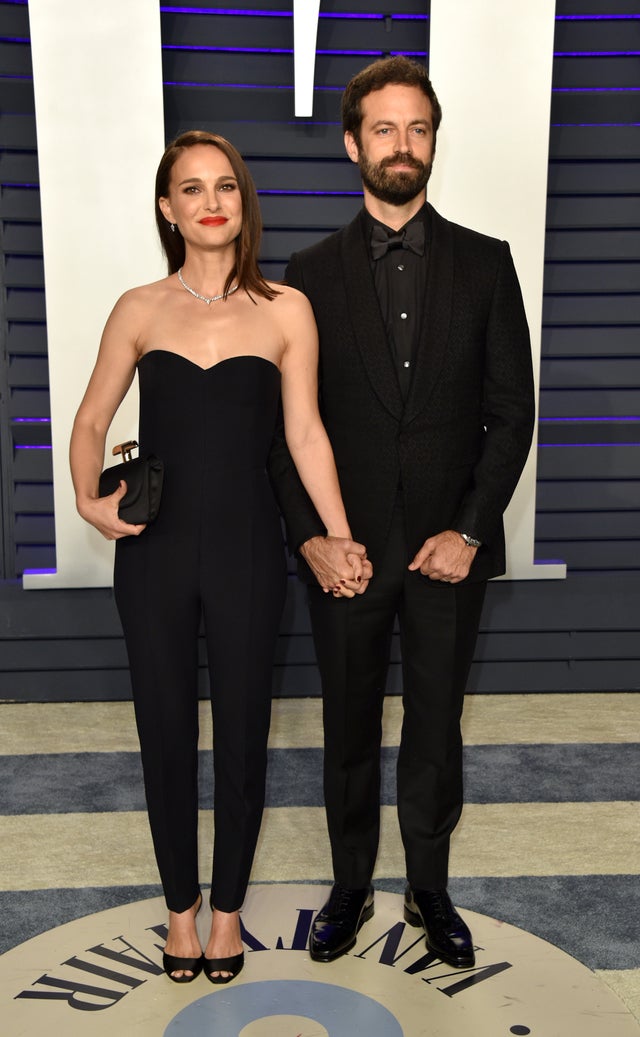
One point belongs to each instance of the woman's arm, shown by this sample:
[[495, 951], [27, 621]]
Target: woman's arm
[[112, 376], [311, 451], [305, 434]]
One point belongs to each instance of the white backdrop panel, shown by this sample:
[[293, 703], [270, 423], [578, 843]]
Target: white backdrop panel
[[97, 74], [491, 66]]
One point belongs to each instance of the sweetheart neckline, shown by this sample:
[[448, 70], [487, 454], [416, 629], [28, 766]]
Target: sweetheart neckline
[[226, 360]]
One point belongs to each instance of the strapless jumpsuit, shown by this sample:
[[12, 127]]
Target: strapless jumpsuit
[[215, 555]]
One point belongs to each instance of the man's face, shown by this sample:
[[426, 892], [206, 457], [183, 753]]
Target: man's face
[[396, 143]]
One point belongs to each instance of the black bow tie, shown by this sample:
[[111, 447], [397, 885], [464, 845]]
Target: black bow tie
[[412, 237]]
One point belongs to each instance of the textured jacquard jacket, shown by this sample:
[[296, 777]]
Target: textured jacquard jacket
[[459, 443]]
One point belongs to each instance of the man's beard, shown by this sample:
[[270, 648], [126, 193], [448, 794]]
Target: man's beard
[[391, 186]]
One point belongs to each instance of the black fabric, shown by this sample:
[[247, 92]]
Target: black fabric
[[438, 629], [214, 552], [144, 477], [400, 278], [410, 237], [455, 444], [458, 444]]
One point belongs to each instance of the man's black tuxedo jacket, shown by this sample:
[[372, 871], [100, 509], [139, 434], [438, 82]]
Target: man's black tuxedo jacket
[[458, 444]]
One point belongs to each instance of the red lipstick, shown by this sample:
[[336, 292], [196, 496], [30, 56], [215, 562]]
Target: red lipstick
[[213, 221]]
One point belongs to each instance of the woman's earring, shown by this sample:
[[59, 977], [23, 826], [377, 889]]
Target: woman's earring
[[173, 228]]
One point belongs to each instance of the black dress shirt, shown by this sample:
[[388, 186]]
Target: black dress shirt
[[400, 277]]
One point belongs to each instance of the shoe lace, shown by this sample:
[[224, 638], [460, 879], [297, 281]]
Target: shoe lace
[[440, 905], [340, 898]]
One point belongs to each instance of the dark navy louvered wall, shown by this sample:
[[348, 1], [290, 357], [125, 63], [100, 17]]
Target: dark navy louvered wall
[[232, 72], [588, 507]]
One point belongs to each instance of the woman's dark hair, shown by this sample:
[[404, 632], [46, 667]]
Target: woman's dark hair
[[381, 73], [245, 271]]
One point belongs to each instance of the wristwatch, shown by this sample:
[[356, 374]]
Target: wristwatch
[[470, 541]]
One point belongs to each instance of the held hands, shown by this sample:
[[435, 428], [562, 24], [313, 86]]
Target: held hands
[[444, 557], [102, 512], [339, 565]]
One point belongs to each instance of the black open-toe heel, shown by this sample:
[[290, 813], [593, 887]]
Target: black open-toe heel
[[172, 964], [233, 965], [194, 965]]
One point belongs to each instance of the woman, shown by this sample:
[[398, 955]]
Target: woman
[[214, 344]]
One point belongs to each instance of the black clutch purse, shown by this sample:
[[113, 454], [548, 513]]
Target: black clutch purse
[[143, 476]]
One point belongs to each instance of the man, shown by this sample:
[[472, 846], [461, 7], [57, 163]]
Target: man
[[427, 396]]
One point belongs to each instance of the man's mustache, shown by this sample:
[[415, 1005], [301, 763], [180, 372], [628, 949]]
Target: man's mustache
[[404, 157]]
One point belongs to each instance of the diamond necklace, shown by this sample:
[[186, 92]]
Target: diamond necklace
[[204, 298]]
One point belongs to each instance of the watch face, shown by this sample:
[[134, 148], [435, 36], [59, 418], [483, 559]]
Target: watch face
[[469, 540]]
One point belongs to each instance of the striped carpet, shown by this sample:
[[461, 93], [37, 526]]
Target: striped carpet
[[549, 839]]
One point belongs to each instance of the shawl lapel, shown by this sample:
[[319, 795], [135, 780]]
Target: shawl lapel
[[436, 318], [366, 321]]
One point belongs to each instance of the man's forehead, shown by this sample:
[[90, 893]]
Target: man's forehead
[[394, 99]]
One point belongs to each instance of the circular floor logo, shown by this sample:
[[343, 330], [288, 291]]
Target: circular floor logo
[[103, 975], [257, 1009]]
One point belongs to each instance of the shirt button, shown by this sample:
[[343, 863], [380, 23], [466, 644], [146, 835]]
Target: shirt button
[[400, 266], [403, 316], [407, 363]]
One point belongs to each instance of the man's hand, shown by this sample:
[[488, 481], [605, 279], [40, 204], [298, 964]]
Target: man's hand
[[444, 557], [339, 565]]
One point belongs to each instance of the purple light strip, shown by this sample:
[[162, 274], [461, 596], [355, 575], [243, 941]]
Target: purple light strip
[[285, 50], [546, 446], [262, 50], [587, 420], [258, 86], [263, 86], [314, 194], [336, 89], [33, 447], [223, 10], [247, 12], [595, 89], [596, 17], [35, 572], [31, 421], [252, 13], [596, 53], [233, 86], [228, 50]]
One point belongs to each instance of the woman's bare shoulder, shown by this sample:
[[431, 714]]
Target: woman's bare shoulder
[[147, 294], [290, 300], [137, 304]]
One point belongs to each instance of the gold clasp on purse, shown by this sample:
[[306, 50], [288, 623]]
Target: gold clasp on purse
[[125, 449]]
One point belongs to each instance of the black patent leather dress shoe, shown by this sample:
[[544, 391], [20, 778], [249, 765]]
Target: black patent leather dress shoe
[[447, 935], [337, 924]]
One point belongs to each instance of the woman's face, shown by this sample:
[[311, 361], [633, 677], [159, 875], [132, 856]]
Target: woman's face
[[204, 198]]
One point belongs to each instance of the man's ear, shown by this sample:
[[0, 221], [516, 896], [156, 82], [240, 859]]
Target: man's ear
[[351, 147]]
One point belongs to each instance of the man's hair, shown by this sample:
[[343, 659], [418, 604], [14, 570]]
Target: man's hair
[[397, 70]]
